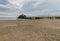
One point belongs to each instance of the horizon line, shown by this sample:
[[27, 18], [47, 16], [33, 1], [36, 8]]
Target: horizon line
[[8, 16]]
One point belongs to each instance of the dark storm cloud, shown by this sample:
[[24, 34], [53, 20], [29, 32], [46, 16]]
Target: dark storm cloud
[[4, 2], [4, 7]]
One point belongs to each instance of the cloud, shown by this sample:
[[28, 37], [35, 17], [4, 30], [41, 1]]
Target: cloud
[[29, 4], [54, 2], [21, 3], [7, 9], [30, 7], [4, 2], [17, 3]]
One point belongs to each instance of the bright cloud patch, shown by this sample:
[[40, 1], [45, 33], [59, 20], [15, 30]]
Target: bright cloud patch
[[17, 3]]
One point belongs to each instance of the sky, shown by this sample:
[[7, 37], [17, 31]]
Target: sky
[[14, 8]]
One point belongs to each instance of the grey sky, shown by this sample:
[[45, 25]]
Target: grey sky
[[30, 7]]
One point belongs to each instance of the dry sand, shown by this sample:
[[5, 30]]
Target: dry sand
[[30, 30]]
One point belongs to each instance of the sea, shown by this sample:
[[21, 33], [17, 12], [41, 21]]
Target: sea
[[8, 18]]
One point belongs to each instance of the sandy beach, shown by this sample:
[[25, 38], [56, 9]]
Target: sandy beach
[[30, 30]]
